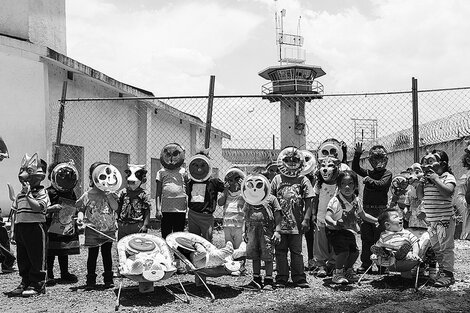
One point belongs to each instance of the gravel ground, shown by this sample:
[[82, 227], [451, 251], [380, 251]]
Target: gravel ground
[[377, 293]]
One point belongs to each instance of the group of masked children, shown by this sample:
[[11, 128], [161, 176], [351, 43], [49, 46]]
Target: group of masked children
[[269, 211]]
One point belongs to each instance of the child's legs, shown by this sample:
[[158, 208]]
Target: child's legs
[[91, 261], [35, 244], [172, 222], [22, 255], [368, 238], [50, 266], [256, 267], [268, 268], [296, 258], [341, 259], [107, 261], [442, 242], [63, 264], [321, 247], [309, 240], [194, 222], [282, 265], [228, 234]]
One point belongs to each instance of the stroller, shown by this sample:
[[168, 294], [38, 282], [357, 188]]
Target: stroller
[[205, 259], [146, 259], [398, 261]]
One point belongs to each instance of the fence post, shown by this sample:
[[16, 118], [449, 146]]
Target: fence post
[[414, 96], [210, 103], [60, 124]]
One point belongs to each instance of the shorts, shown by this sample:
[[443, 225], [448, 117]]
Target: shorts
[[259, 245], [342, 240]]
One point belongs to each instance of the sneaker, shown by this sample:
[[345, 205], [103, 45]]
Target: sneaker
[[279, 285], [302, 284], [403, 251], [17, 292], [339, 278], [321, 272], [268, 284], [69, 278], [445, 279], [33, 291], [350, 275]]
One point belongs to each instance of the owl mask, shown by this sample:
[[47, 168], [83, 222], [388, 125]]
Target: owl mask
[[172, 156], [255, 189]]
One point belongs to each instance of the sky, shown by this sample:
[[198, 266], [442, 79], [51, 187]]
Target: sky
[[172, 47]]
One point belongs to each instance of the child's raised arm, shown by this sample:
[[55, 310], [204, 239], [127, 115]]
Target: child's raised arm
[[445, 189], [367, 217]]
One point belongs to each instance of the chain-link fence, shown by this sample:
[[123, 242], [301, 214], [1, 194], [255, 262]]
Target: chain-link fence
[[248, 131]]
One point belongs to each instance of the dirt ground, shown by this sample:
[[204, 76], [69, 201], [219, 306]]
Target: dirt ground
[[377, 293]]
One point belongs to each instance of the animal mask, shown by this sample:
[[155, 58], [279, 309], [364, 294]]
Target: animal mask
[[255, 189], [416, 173], [135, 175], [32, 170], [107, 177], [431, 162], [234, 177], [64, 176], [172, 156], [378, 158], [199, 168], [329, 169], [330, 147], [290, 161], [310, 162], [400, 184]]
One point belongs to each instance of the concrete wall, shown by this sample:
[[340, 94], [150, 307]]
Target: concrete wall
[[38, 21]]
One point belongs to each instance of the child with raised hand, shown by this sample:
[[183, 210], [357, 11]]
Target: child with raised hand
[[436, 190], [97, 207], [375, 196], [412, 203], [232, 202], [341, 219]]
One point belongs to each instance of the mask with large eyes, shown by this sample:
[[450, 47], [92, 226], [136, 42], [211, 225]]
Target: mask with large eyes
[[290, 161], [328, 168], [378, 158], [107, 177], [199, 168], [135, 175], [330, 147], [310, 162], [234, 177], [400, 184], [255, 189], [64, 176], [172, 156], [431, 162]]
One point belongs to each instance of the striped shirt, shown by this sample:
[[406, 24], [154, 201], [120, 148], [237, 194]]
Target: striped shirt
[[436, 206], [394, 240], [24, 212]]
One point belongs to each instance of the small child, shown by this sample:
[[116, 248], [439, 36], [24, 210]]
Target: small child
[[171, 199], [397, 247], [97, 209], [412, 203], [342, 226], [436, 191], [262, 227], [463, 194], [232, 202], [62, 237], [30, 216], [375, 196], [133, 213], [202, 190], [399, 188], [293, 191]]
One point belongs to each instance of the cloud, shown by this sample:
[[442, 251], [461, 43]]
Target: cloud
[[168, 50]]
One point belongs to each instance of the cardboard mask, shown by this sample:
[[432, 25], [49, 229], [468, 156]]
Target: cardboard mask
[[199, 168], [64, 176], [255, 189], [172, 156], [107, 177]]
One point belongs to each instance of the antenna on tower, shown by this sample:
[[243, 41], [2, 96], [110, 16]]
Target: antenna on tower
[[290, 46]]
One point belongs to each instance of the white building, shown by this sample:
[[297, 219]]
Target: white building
[[34, 66]]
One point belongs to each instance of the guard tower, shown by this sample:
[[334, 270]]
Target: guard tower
[[291, 77]]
